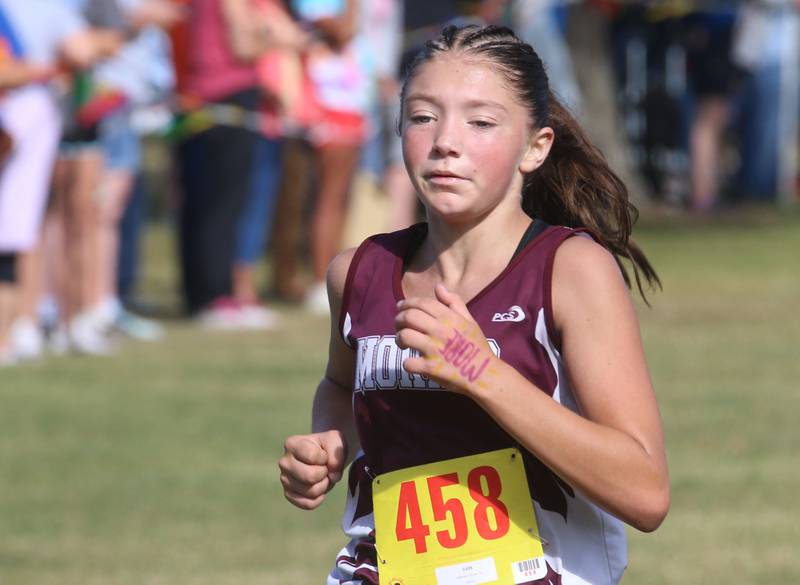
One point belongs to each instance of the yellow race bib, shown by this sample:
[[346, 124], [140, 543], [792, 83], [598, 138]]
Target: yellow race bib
[[464, 521]]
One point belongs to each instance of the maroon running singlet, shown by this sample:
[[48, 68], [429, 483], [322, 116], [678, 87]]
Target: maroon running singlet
[[405, 420]]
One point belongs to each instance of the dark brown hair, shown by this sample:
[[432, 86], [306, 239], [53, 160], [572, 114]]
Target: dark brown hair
[[575, 186]]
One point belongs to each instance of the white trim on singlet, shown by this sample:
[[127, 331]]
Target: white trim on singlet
[[346, 328]]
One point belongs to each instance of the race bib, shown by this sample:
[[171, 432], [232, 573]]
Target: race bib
[[463, 521]]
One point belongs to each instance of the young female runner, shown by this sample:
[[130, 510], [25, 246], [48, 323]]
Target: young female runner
[[502, 322]]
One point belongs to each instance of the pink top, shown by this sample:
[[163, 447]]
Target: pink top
[[214, 71]]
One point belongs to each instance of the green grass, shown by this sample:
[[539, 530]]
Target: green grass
[[158, 465], [723, 342]]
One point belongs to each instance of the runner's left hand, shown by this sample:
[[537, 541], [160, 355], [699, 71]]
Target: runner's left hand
[[453, 350]]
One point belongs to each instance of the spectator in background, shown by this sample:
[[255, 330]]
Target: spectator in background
[[384, 36], [713, 79], [339, 65], [47, 32], [285, 107], [376, 39], [141, 72], [226, 37], [538, 22], [764, 32], [96, 134], [76, 182]]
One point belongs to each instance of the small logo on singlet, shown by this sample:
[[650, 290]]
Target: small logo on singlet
[[514, 314]]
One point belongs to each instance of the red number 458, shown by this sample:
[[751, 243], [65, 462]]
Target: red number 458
[[409, 518]]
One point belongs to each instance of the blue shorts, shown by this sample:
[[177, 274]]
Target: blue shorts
[[120, 143]]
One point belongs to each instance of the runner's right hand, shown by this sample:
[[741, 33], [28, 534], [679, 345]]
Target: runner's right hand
[[311, 465]]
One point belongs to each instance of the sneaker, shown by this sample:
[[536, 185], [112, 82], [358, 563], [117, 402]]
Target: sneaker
[[102, 317], [27, 340], [254, 316], [223, 314], [227, 314], [84, 337], [316, 300], [138, 328]]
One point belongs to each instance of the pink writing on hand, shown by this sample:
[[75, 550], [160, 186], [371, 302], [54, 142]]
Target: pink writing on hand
[[462, 354]]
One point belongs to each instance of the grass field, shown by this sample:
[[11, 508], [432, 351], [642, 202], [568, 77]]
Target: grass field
[[158, 465]]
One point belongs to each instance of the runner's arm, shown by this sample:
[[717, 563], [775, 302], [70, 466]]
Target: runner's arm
[[332, 408], [613, 451], [313, 463]]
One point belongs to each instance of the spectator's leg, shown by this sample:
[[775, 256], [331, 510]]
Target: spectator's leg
[[216, 172], [758, 175], [705, 143], [290, 225], [336, 166], [255, 224], [129, 238], [7, 302]]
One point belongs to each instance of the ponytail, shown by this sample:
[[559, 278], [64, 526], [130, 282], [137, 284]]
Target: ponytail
[[575, 187]]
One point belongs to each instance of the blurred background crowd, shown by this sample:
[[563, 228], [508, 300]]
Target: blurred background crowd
[[273, 117]]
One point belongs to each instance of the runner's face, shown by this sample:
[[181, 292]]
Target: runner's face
[[466, 138]]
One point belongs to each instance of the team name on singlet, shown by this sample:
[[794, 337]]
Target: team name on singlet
[[379, 365]]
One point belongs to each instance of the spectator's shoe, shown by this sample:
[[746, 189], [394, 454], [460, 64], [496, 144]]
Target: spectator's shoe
[[253, 316], [316, 301], [102, 317], [227, 314], [223, 314], [27, 340], [86, 339], [138, 328]]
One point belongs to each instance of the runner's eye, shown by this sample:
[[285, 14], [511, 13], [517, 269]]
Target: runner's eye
[[482, 124]]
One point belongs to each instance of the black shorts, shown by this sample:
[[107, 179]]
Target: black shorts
[[8, 267], [710, 70]]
